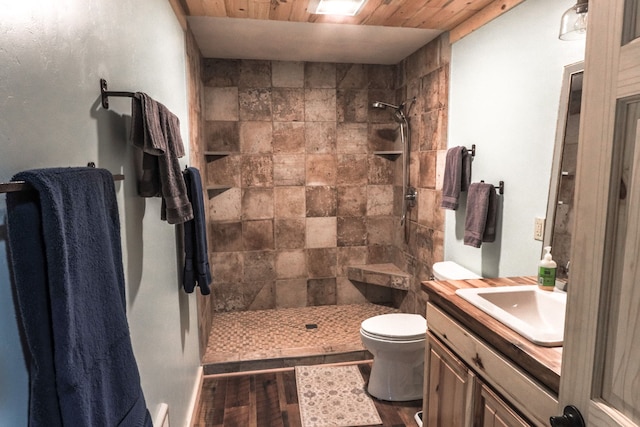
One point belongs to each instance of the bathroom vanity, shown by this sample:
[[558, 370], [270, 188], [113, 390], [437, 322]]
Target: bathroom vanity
[[479, 372]]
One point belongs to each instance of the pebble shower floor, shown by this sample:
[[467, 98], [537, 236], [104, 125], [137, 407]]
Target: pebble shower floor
[[288, 333]]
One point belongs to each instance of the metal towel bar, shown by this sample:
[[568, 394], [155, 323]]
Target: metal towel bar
[[105, 94], [13, 186], [499, 187]]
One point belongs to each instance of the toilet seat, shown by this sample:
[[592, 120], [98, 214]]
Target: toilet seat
[[395, 327]]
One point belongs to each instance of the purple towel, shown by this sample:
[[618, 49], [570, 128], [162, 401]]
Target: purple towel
[[457, 176], [481, 215], [156, 131]]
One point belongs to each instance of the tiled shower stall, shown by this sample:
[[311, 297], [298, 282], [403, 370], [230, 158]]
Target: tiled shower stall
[[295, 191]]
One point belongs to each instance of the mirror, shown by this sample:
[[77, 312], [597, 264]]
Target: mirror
[[559, 221]]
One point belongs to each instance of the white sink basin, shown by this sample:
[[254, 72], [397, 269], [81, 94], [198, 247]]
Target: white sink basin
[[535, 314]]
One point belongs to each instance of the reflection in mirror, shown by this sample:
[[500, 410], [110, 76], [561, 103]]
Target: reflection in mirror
[[559, 220]]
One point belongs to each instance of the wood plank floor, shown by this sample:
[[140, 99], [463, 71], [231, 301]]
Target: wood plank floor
[[270, 399]]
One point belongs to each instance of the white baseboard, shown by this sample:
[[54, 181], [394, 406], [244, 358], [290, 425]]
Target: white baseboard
[[162, 416], [194, 404]]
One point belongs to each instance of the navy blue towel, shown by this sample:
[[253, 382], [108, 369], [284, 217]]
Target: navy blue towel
[[196, 260], [64, 241]]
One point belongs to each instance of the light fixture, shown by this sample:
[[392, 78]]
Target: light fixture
[[573, 25], [335, 7]]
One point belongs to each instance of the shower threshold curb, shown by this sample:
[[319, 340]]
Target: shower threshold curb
[[283, 362]]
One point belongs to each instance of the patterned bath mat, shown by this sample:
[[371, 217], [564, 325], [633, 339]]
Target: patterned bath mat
[[334, 396]]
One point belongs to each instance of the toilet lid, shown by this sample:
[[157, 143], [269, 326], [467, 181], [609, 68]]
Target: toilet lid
[[402, 326]]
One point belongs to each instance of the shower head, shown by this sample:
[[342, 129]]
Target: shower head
[[398, 108], [384, 105], [398, 114]]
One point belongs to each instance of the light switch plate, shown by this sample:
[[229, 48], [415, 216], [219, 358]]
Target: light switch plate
[[538, 231]]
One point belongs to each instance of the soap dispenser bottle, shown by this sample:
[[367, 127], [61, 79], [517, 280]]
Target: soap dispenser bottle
[[547, 271]]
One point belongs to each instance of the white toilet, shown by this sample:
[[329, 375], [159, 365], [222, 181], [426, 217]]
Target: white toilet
[[396, 341], [449, 270]]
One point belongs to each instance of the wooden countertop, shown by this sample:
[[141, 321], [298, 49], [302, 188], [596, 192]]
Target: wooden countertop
[[543, 363]]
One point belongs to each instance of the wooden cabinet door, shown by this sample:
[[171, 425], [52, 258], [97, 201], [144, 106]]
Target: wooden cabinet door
[[448, 387], [601, 363], [492, 411]]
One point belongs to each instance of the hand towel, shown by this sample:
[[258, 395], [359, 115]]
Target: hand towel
[[64, 241], [465, 176], [489, 234], [457, 176], [156, 131], [196, 260], [481, 214]]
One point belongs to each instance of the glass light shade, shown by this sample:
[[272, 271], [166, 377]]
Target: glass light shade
[[338, 7], [573, 25]]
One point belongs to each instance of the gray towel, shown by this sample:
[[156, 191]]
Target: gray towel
[[481, 215], [465, 175], [156, 131], [457, 176]]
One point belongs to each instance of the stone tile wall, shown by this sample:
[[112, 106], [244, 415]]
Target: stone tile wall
[[425, 75], [307, 195], [196, 159]]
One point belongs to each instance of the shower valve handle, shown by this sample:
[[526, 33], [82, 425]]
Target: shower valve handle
[[411, 194]]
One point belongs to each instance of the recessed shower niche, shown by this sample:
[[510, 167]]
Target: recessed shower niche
[[211, 156]]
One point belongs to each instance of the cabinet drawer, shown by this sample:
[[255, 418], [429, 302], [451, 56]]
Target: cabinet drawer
[[522, 391]]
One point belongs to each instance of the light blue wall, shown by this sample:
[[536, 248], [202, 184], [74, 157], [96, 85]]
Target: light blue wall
[[504, 95], [52, 55]]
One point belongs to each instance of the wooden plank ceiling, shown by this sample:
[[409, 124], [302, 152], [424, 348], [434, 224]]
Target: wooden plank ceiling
[[458, 16]]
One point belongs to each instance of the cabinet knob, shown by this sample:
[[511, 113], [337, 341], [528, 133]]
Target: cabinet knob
[[570, 418]]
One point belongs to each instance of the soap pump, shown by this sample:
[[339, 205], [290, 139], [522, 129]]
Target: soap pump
[[547, 271]]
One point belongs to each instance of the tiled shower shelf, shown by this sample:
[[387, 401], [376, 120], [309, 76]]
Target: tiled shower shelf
[[388, 153], [217, 153], [387, 275], [215, 190], [218, 187]]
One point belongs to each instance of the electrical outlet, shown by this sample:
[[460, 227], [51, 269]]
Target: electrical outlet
[[538, 231]]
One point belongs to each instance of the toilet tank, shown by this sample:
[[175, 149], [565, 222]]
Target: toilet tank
[[449, 270]]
